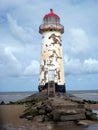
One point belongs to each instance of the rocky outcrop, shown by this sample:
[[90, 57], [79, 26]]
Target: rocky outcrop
[[59, 108]]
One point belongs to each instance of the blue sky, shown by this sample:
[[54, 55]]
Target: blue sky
[[20, 42]]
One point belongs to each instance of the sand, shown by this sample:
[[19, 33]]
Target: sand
[[10, 119], [94, 106]]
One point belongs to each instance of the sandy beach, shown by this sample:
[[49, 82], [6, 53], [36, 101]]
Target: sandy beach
[[94, 106], [9, 120], [10, 113]]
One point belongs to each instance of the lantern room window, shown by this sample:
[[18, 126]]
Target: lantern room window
[[51, 20]]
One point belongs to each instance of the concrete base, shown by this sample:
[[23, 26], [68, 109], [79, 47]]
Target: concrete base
[[58, 88]]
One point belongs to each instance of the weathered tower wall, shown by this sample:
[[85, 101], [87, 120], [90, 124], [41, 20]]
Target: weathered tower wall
[[51, 63]]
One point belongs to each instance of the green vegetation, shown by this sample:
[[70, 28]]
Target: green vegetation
[[90, 101]]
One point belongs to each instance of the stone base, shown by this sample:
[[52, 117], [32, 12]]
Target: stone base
[[58, 88], [73, 117], [60, 108]]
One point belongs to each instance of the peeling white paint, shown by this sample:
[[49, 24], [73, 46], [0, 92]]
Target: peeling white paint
[[51, 58]]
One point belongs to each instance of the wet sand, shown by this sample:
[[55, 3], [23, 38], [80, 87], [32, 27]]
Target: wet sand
[[10, 113], [94, 106], [9, 120]]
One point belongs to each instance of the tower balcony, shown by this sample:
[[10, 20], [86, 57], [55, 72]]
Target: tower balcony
[[51, 27]]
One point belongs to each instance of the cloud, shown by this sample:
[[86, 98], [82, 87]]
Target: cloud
[[77, 40], [71, 65], [32, 69], [9, 64], [22, 34], [90, 65], [6, 4], [77, 66]]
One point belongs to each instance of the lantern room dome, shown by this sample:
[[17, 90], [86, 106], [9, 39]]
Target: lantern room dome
[[51, 14], [51, 22]]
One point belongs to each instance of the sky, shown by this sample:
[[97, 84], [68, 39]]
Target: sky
[[20, 42]]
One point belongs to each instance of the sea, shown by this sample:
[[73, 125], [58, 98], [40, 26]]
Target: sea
[[7, 97]]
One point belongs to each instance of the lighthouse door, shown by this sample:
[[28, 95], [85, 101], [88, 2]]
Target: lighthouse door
[[51, 84], [51, 75]]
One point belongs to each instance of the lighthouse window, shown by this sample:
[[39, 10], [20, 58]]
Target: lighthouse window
[[45, 20], [57, 20], [53, 20]]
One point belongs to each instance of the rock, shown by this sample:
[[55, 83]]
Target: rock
[[94, 116], [66, 112], [34, 111], [60, 108], [29, 117], [47, 119], [50, 116], [31, 111], [72, 117], [91, 116], [82, 123], [49, 127], [39, 104], [48, 108], [56, 116], [39, 118], [2, 103], [42, 111]]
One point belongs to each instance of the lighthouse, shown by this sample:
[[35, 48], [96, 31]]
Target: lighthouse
[[51, 77]]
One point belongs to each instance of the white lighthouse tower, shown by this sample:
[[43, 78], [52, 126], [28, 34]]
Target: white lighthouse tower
[[51, 64]]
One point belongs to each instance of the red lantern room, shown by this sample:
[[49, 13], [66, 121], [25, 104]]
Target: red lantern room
[[51, 22]]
